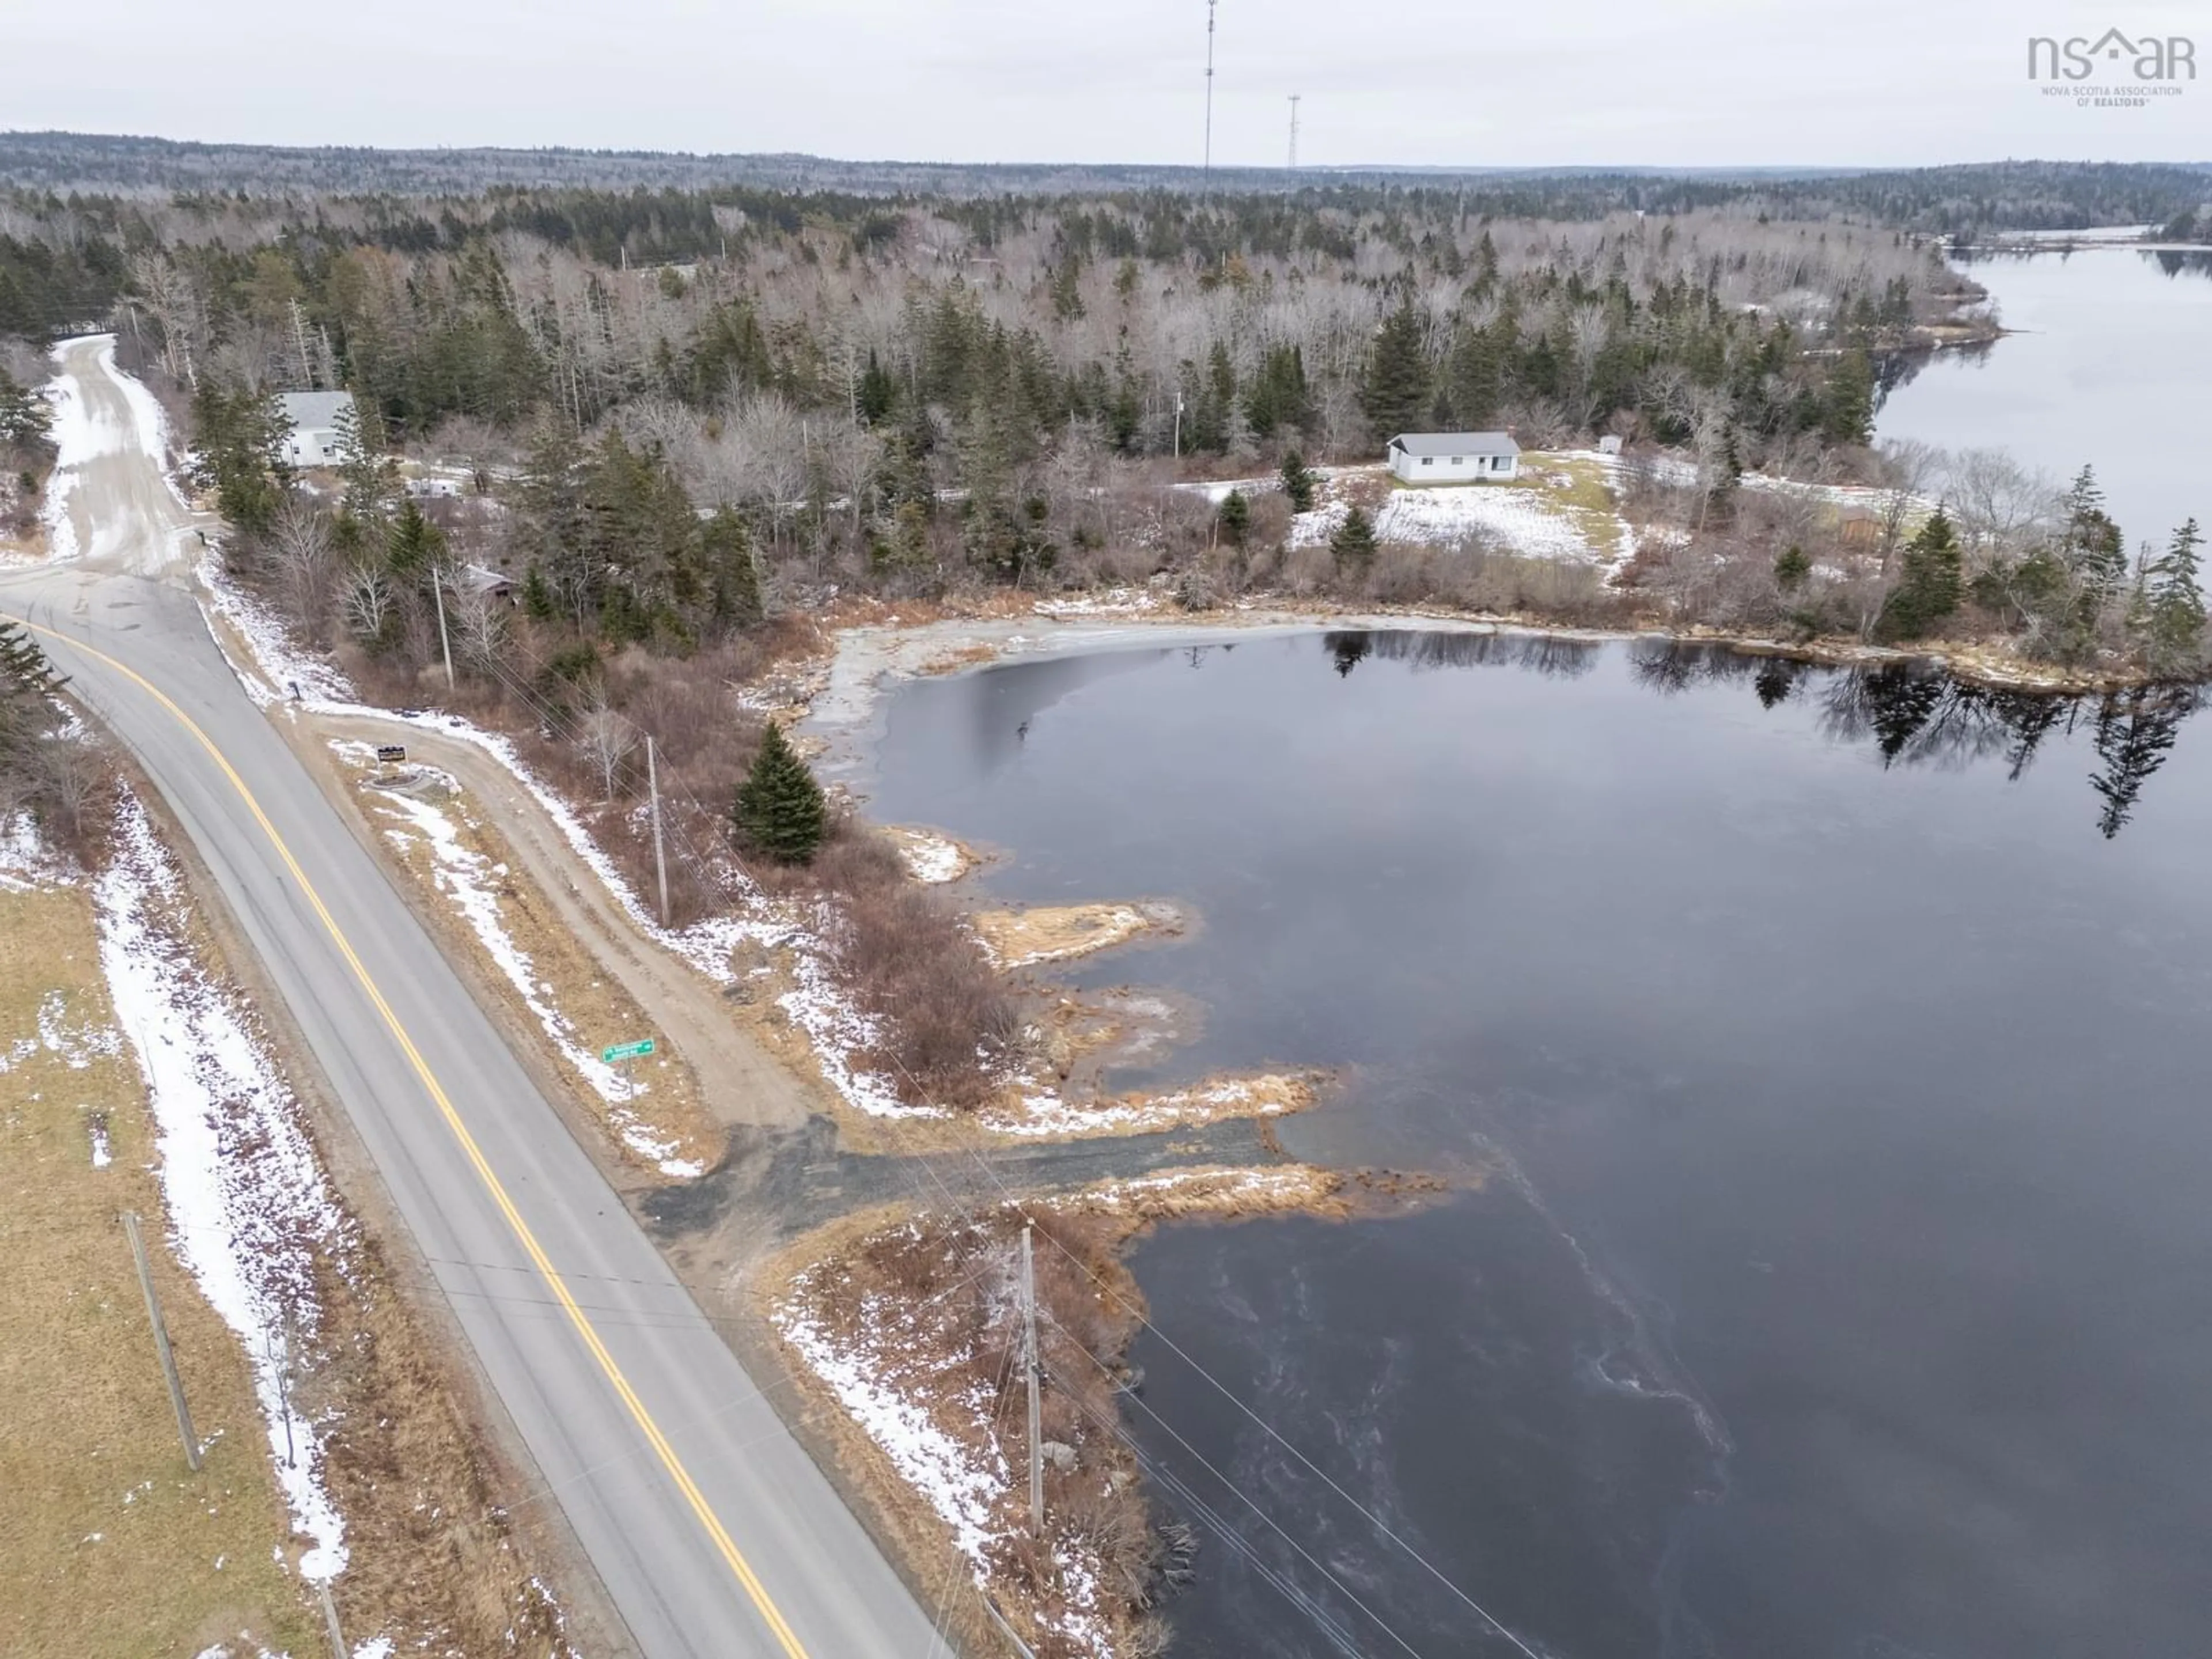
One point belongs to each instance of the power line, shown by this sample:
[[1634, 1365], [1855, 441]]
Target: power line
[[1143, 1322], [1294, 131]]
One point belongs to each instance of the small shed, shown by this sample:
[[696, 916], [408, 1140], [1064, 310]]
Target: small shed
[[482, 578], [312, 418], [1859, 524], [1437, 458]]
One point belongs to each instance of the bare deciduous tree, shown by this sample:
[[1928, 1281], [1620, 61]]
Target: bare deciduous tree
[[2000, 504], [605, 739], [478, 621], [368, 602], [303, 562]]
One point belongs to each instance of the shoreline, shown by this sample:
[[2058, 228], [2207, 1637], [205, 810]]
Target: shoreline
[[863, 660]]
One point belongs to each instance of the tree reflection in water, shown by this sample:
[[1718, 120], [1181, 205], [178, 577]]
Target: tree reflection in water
[[1912, 713]]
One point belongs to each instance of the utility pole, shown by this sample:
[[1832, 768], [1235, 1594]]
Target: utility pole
[[445, 645], [1030, 1362], [330, 1619], [1294, 132], [1206, 172], [1178, 430], [659, 850], [162, 1342]]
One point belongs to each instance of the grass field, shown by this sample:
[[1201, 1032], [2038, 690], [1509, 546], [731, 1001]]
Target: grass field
[[108, 1545]]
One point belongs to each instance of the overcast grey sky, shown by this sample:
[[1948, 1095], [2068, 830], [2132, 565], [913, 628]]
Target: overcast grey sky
[[1647, 81]]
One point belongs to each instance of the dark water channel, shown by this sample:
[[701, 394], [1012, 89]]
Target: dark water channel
[[1836, 1048]]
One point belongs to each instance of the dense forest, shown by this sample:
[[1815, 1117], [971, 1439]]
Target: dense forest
[[683, 410]]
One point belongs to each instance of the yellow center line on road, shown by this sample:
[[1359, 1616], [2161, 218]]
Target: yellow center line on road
[[692, 1495]]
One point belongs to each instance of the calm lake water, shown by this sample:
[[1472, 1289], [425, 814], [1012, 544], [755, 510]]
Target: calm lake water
[[2111, 368], [1820, 1059]]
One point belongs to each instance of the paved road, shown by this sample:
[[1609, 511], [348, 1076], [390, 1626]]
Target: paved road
[[713, 1532]]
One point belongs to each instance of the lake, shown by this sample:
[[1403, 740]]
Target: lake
[[2111, 368], [1818, 1060]]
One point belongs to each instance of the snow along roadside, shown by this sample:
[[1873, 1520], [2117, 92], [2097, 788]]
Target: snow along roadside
[[469, 881], [246, 1197], [836, 1029]]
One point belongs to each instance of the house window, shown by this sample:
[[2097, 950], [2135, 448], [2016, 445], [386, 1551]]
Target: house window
[[1457, 459], [1428, 460]]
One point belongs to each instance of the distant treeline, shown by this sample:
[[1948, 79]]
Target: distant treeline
[[2004, 195]]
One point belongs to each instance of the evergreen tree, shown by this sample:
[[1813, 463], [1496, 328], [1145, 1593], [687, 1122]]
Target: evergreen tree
[[413, 547], [878, 391], [1298, 482], [238, 442], [2093, 547], [1067, 290], [1477, 377], [733, 582], [1235, 516], [1791, 568], [2174, 613], [369, 488], [26, 421], [1278, 398], [537, 594], [24, 670], [1395, 395], [32, 725], [780, 811], [1931, 584], [1354, 542]]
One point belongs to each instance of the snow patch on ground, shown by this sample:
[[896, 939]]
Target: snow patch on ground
[[77, 439], [1227, 1188], [471, 881], [1508, 517], [1684, 474], [278, 664], [26, 863], [245, 1195], [932, 860], [1519, 521], [1045, 1112], [961, 1482], [1110, 602]]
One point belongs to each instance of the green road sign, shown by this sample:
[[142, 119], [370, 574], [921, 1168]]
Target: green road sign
[[637, 1050]]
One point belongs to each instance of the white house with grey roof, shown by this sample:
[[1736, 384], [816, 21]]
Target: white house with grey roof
[[1439, 457], [314, 419]]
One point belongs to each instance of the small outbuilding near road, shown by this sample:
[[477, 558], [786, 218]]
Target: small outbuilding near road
[[1438, 458]]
